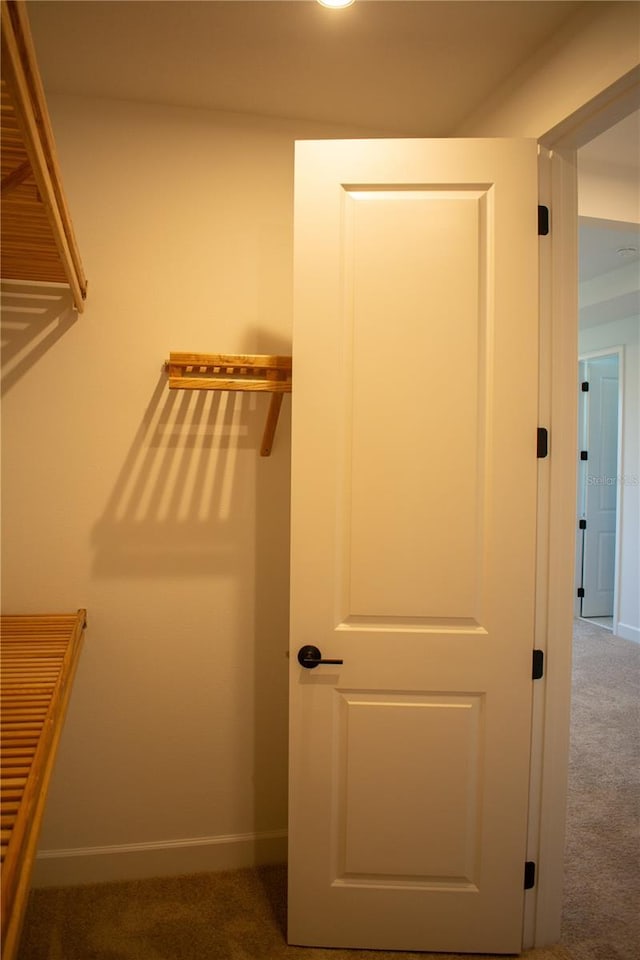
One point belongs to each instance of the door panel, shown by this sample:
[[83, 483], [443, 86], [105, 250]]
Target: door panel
[[381, 736], [413, 542], [402, 405]]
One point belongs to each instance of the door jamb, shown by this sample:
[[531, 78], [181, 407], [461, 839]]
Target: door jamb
[[556, 542]]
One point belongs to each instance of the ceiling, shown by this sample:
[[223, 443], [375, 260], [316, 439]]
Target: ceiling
[[394, 67], [409, 67]]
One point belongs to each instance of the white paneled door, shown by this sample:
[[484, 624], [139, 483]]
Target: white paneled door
[[599, 440], [413, 542]]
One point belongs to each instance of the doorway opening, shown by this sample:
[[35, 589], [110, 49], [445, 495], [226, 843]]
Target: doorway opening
[[606, 540], [608, 383], [563, 147]]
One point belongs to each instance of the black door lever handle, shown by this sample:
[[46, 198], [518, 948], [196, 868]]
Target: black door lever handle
[[309, 657]]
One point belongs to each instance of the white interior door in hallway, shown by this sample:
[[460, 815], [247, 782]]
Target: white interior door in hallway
[[413, 542], [598, 482]]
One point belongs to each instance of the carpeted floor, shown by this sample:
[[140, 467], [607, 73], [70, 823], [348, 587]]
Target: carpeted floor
[[242, 915], [226, 916], [601, 919]]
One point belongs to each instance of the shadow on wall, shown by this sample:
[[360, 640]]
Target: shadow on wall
[[34, 317], [181, 499], [195, 499]]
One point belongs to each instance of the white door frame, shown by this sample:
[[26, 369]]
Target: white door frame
[[557, 499]]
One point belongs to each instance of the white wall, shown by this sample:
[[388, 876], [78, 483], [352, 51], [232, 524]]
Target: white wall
[[626, 333], [609, 185], [588, 55], [605, 197], [154, 509]]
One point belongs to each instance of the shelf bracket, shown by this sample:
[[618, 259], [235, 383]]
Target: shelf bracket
[[245, 372]]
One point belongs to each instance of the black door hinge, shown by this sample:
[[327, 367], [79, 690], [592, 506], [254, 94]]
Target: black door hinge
[[581, 592], [584, 386], [537, 671], [543, 221], [582, 524], [529, 875], [542, 449], [584, 454]]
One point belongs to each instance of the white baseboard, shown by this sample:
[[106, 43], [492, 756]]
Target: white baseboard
[[133, 861], [627, 632]]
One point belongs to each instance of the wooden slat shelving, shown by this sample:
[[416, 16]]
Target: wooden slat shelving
[[37, 238], [38, 660], [222, 371]]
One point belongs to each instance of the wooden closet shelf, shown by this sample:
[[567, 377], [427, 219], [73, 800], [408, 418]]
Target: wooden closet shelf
[[36, 233], [246, 372], [39, 659]]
